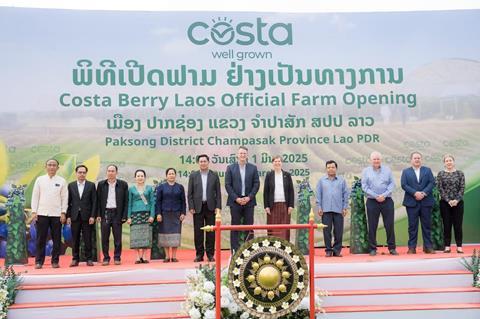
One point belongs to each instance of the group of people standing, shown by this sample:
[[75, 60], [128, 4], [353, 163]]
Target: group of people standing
[[113, 202], [110, 203], [417, 181]]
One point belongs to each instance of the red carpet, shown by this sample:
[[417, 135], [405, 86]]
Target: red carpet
[[186, 257]]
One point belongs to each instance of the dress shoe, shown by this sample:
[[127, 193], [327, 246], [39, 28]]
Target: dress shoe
[[106, 263], [38, 266], [447, 250], [144, 261], [459, 251], [337, 255], [74, 263], [166, 260], [55, 265], [89, 263], [393, 252], [198, 259], [117, 262], [211, 259], [411, 251], [138, 261], [372, 253], [174, 260], [429, 251], [329, 254]]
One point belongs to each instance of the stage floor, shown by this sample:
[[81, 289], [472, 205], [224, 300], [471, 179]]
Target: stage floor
[[428, 286], [186, 257]]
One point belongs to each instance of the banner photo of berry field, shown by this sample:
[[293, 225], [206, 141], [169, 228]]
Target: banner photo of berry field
[[152, 90]]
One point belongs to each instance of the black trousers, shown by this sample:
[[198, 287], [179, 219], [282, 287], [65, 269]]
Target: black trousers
[[109, 223], [203, 218], [452, 216], [43, 224], [241, 215], [334, 222], [85, 229], [387, 210]]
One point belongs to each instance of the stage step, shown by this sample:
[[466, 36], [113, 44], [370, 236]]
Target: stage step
[[147, 311], [338, 301], [336, 298], [373, 266], [431, 311], [402, 297], [424, 314], [112, 309], [163, 316], [425, 288], [394, 281], [151, 289]]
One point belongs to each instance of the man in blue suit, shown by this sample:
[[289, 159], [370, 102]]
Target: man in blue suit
[[417, 182], [242, 184]]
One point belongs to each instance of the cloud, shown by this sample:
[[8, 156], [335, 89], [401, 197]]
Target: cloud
[[163, 31], [177, 46], [341, 23]]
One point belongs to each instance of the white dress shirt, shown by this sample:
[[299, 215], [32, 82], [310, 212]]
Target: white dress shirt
[[81, 187], [111, 198], [417, 173], [279, 194], [204, 176], [242, 168]]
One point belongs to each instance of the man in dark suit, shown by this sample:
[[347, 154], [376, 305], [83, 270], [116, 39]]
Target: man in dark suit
[[418, 182], [204, 196], [242, 184], [81, 211], [112, 196]]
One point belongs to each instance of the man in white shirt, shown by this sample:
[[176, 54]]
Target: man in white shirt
[[49, 205]]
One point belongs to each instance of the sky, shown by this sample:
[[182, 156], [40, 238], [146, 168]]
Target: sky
[[251, 5]]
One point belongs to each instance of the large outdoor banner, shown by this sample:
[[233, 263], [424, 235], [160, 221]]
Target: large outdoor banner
[[152, 90]]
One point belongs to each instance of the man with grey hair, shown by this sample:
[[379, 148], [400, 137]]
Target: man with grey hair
[[378, 185]]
